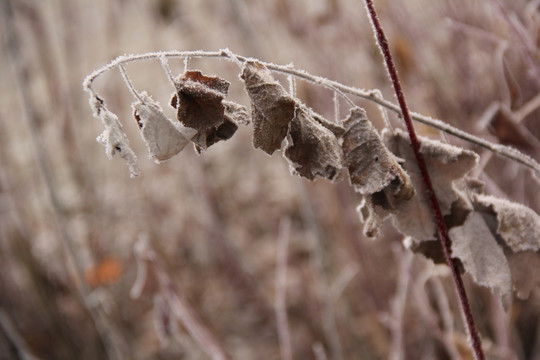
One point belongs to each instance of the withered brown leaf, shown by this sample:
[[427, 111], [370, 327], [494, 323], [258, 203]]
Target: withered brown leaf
[[199, 103], [272, 107], [235, 114], [312, 150], [447, 166], [372, 168], [163, 138], [198, 100], [518, 228]]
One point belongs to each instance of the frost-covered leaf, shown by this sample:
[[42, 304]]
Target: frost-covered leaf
[[311, 149], [336, 129], [199, 103], [482, 257], [272, 107], [372, 168], [518, 228], [163, 138], [447, 166], [198, 100], [517, 224], [113, 137], [235, 114]]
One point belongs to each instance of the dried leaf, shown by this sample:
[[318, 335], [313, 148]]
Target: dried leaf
[[372, 168], [200, 105], [198, 100], [163, 138], [272, 107], [113, 137], [482, 257], [336, 129], [312, 150], [447, 166], [235, 114], [496, 240], [518, 225]]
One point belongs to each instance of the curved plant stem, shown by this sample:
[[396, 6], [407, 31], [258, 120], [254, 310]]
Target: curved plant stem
[[441, 226], [340, 89]]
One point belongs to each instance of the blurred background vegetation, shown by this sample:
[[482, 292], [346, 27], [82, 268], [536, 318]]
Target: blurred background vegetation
[[69, 218]]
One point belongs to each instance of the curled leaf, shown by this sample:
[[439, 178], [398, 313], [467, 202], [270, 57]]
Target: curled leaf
[[372, 168], [272, 108], [198, 100], [235, 114], [311, 149], [163, 138], [113, 137], [199, 104], [447, 165]]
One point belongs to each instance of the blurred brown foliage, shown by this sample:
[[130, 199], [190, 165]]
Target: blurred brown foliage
[[213, 219]]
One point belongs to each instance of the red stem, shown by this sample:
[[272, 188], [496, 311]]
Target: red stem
[[441, 226]]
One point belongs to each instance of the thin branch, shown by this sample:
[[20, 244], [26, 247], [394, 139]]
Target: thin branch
[[167, 69], [336, 108], [439, 219], [129, 85], [342, 90]]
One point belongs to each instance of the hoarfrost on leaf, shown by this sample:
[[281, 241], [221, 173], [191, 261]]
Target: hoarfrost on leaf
[[113, 137], [312, 150], [235, 114], [163, 138], [447, 166], [199, 103], [372, 168], [271, 106]]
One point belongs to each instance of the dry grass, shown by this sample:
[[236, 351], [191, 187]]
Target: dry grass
[[212, 221]]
